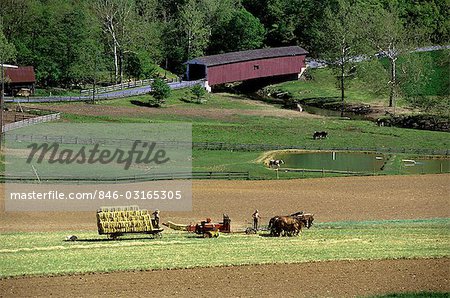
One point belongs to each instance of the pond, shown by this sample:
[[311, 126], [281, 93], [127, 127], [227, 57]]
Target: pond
[[334, 161], [332, 113], [361, 162], [425, 166]]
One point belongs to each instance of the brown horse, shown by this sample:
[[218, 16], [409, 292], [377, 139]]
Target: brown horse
[[290, 225], [285, 226], [307, 219]]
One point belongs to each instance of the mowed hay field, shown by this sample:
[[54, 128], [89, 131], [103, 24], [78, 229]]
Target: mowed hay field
[[372, 235]]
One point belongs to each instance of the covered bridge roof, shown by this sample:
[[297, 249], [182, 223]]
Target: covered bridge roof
[[241, 56], [23, 74]]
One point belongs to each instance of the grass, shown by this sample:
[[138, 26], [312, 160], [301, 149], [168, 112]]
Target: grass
[[256, 129], [48, 254], [415, 295], [183, 98], [246, 129], [323, 84]]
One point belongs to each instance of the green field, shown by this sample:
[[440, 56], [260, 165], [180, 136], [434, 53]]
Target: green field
[[48, 254], [249, 129], [240, 128]]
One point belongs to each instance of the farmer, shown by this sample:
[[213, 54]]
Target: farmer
[[256, 218], [156, 217]]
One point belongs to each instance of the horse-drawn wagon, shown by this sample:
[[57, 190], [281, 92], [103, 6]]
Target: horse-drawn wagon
[[117, 221]]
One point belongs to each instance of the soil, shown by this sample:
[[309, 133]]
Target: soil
[[321, 279], [331, 199]]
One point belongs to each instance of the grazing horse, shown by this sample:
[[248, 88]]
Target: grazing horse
[[320, 135], [276, 162]]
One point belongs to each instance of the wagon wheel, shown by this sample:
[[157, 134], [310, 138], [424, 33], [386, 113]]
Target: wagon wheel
[[158, 235], [113, 236]]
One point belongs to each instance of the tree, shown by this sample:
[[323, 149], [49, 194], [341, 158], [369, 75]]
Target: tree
[[7, 49], [160, 91], [341, 40], [192, 21], [199, 93], [114, 15], [133, 66], [391, 39], [242, 32]]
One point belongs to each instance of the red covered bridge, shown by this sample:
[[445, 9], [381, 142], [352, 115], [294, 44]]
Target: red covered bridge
[[247, 65]]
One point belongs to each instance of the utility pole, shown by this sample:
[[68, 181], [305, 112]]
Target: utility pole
[[2, 94], [95, 78], [2, 97]]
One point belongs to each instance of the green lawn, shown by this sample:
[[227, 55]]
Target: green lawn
[[47, 253], [246, 129]]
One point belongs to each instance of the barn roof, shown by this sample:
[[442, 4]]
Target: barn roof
[[24, 74], [241, 56]]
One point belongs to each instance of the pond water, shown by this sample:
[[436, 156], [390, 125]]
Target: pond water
[[361, 162], [334, 161], [425, 166], [332, 113]]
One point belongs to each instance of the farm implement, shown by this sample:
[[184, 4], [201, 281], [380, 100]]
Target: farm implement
[[206, 228], [117, 221]]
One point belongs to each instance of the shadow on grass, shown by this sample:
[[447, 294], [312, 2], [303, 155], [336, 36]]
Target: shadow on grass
[[144, 104], [111, 239]]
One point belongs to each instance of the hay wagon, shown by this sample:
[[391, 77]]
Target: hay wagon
[[117, 221]]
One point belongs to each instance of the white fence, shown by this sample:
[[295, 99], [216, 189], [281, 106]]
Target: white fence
[[126, 85], [31, 121], [102, 96]]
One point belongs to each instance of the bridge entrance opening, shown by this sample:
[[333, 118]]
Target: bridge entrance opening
[[196, 72]]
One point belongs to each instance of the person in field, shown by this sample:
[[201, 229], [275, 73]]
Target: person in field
[[156, 218], [256, 218]]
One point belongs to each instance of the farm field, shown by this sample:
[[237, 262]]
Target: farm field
[[232, 119], [263, 123], [374, 235], [47, 254]]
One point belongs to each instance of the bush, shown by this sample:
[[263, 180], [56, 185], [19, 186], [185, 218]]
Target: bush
[[199, 93], [160, 92]]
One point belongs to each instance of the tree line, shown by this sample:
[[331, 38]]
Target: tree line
[[72, 42]]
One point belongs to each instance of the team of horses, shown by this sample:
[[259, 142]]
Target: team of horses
[[290, 225]]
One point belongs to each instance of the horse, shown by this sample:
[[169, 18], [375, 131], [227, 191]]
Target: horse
[[285, 225], [290, 225], [320, 135], [307, 219], [276, 162]]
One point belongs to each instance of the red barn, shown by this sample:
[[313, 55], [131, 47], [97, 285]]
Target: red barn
[[19, 78], [247, 65]]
